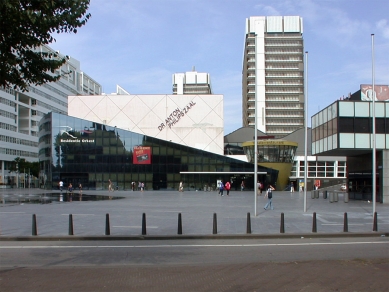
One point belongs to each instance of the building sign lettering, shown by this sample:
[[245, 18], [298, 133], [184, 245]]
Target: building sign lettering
[[77, 140], [175, 116]]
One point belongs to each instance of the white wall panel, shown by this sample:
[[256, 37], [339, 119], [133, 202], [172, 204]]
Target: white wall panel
[[274, 24], [362, 141], [380, 141], [362, 109], [292, 24], [346, 140], [191, 120], [346, 109]]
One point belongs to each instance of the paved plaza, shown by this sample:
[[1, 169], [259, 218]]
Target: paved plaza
[[202, 214]]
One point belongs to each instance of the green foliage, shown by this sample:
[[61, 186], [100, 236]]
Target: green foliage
[[27, 24], [20, 165]]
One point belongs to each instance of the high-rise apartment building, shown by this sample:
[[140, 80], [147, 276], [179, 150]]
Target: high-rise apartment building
[[191, 83], [21, 112], [273, 74]]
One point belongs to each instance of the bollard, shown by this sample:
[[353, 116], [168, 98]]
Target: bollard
[[314, 229], [312, 194], [331, 195], [282, 227], [144, 224], [248, 226], [324, 194], [179, 231], [107, 225], [345, 197], [71, 232], [375, 224], [214, 224], [345, 223], [336, 196], [34, 226]]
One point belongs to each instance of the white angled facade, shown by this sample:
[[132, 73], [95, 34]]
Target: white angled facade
[[191, 83], [21, 111], [191, 120], [273, 74]]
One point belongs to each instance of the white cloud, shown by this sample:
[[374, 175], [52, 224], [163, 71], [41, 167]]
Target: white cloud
[[383, 26]]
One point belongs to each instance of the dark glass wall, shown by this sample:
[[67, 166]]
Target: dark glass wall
[[79, 151]]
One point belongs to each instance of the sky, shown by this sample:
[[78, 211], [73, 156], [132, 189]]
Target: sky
[[140, 44]]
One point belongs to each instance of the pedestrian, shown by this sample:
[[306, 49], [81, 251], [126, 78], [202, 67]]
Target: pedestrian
[[242, 186], [292, 187], [70, 188], [259, 186], [221, 188], [133, 186], [80, 187], [269, 195], [60, 185], [181, 187], [110, 185], [142, 187], [139, 186], [228, 187]]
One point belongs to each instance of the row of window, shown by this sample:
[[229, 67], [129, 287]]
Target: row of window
[[320, 169], [350, 125], [18, 141], [8, 127], [8, 102], [18, 153], [7, 114]]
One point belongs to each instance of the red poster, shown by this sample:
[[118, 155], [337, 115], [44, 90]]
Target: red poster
[[142, 155]]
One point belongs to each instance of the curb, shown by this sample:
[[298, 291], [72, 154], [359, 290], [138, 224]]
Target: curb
[[193, 237]]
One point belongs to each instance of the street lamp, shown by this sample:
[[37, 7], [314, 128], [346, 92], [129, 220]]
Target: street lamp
[[306, 132]]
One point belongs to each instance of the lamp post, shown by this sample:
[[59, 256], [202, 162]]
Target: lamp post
[[255, 139], [305, 131], [374, 130]]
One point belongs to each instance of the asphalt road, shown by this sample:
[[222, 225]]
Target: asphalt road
[[305, 264]]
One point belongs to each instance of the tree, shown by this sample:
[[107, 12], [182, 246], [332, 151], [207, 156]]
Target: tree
[[25, 25], [20, 165]]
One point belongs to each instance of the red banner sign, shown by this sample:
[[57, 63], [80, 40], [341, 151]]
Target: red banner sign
[[142, 155]]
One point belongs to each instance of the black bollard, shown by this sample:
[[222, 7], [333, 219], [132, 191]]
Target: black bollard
[[144, 224], [282, 227], [314, 229], [214, 224], [71, 224], [107, 225], [248, 227], [345, 223], [375, 224], [34, 226], [179, 231]]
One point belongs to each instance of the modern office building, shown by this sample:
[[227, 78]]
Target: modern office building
[[273, 74], [21, 112], [191, 83], [345, 128], [79, 151], [191, 120], [323, 171]]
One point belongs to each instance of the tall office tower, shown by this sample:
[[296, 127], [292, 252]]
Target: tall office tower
[[21, 111], [191, 83], [273, 74]]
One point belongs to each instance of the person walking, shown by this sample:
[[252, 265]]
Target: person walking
[[221, 188], [259, 186], [60, 185], [110, 185], [142, 186], [269, 195], [228, 187], [242, 186], [80, 188], [292, 187], [181, 187]]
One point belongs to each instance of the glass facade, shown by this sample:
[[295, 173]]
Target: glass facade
[[80, 151]]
